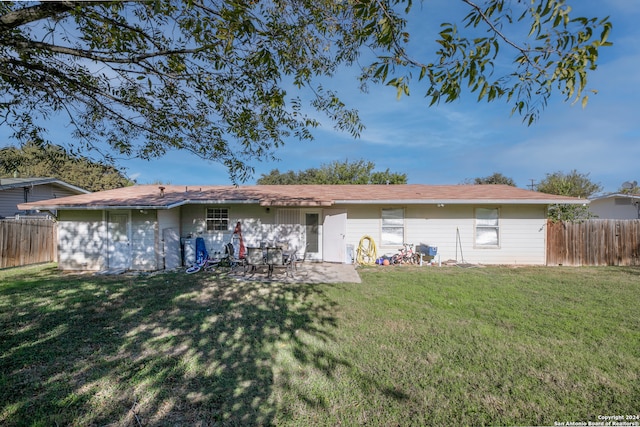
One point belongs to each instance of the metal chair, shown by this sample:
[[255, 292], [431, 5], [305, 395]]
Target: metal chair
[[300, 260], [275, 260], [229, 260], [254, 259], [295, 260]]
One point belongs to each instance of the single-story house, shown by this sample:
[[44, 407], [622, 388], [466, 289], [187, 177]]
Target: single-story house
[[14, 191], [151, 227], [616, 206]]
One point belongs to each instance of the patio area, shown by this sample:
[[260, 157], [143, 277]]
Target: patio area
[[310, 272]]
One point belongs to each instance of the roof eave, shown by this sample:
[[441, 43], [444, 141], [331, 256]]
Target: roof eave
[[222, 202], [93, 207], [43, 182], [34, 205], [297, 203], [617, 195], [72, 187], [302, 202], [463, 202]]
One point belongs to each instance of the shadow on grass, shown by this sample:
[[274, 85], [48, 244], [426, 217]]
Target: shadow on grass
[[169, 349], [631, 270]]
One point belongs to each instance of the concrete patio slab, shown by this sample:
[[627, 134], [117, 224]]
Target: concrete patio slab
[[309, 272], [325, 272]]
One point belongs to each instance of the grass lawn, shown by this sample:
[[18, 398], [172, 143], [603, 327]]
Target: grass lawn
[[408, 346]]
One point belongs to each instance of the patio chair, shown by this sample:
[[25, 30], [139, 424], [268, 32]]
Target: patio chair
[[295, 260], [275, 260], [229, 260], [254, 260]]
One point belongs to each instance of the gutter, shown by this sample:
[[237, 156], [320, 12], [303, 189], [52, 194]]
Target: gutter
[[463, 202], [307, 203], [298, 203], [218, 202], [31, 206]]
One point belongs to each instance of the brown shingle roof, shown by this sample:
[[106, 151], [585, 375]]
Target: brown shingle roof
[[151, 196]]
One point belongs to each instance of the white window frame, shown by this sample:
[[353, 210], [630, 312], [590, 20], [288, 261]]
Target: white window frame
[[215, 223], [487, 225], [392, 222]]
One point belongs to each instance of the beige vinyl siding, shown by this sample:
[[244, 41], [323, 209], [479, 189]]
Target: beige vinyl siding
[[523, 240], [83, 237], [193, 224], [144, 240], [421, 226], [362, 221], [169, 218], [81, 240], [258, 225], [522, 232]]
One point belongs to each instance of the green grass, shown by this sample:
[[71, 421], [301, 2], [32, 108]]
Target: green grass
[[408, 346]]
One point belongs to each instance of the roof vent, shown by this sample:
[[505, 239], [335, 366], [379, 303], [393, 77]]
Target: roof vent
[[161, 191]]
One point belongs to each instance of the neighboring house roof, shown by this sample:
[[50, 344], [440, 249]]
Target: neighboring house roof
[[170, 196], [9, 183], [616, 206], [617, 196]]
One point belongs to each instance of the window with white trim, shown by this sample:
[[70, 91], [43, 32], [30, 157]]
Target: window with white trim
[[392, 227], [217, 219], [487, 227]]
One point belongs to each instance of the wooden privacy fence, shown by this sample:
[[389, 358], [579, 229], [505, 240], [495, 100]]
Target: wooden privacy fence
[[594, 242], [27, 241]]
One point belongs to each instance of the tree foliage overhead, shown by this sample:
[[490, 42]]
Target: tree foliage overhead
[[358, 172], [34, 161], [220, 78]]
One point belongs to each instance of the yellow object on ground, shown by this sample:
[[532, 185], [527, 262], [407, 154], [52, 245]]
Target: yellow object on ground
[[367, 251]]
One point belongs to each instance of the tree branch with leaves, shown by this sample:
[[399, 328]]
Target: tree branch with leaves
[[557, 52], [233, 81]]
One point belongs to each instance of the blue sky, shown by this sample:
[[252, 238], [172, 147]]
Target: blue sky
[[448, 143]]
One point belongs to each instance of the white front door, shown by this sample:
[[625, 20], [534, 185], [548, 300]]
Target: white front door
[[334, 234], [118, 247]]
